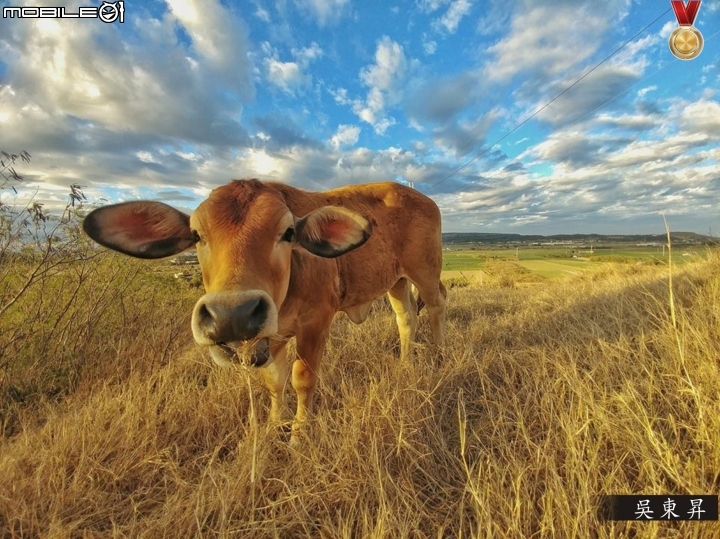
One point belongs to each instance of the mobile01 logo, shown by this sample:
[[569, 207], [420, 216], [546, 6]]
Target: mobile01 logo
[[686, 41], [108, 12]]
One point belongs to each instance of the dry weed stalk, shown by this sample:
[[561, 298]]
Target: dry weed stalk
[[549, 396]]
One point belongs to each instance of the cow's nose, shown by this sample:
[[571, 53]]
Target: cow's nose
[[222, 323]]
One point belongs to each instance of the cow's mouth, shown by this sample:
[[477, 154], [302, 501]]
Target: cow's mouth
[[253, 353]]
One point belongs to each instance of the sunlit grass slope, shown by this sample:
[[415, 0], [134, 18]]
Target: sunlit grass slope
[[547, 398]]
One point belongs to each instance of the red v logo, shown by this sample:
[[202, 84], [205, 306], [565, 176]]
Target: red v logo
[[685, 14]]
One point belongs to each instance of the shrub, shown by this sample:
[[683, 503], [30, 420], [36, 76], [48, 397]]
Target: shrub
[[457, 282]]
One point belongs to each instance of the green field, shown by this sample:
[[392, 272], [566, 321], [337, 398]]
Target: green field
[[462, 260], [556, 263]]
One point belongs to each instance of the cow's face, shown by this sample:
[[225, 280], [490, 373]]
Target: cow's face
[[244, 234]]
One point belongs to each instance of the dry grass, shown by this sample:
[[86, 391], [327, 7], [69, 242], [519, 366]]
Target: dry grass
[[548, 397]]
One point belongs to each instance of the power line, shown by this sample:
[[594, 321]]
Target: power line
[[518, 126], [646, 77]]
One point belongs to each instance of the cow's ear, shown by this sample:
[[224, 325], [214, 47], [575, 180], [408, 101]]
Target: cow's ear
[[331, 231], [141, 229]]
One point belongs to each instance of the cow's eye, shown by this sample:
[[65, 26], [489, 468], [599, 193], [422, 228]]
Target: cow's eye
[[288, 235], [196, 236]]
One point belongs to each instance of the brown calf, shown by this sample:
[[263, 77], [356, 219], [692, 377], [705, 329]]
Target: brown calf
[[272, 270]]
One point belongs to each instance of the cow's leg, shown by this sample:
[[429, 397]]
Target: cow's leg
[[310, 348], [275, 376], [401, 299], [434, 298]]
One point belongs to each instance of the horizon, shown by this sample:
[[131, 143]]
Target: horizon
[[663, 233], [188, 94]]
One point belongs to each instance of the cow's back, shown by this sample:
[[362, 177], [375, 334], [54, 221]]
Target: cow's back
[[406, 237]]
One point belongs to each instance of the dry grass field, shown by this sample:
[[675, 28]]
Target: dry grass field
[[548, 397]]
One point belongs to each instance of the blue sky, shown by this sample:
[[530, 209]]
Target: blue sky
[[189, 94]]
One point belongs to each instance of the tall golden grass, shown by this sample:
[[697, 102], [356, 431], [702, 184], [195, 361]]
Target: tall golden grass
[[547, 398]]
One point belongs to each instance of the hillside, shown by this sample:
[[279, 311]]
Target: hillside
[[691, 238], [547, 398]]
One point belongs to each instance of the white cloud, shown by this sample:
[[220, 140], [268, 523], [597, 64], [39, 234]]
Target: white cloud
[[702, 117], [262, 14], [340, 96], [290, 76], [145, 157], [603, 172], [383, 77], [323, 11], [635, 48], [389, 66], [630, 121], [347, 135], [596, 175], [667, 29], [429, 46], [644, 91], [383, 125], [440, 99], [306, 55], [534, 47], [464, 136], [259, 163], [430, 6], [606, 83], [219, 37], [285, 75], [94, 78], [136, 110], [452, 17]]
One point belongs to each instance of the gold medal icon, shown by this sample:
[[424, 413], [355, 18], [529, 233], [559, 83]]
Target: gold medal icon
[[686, 42]]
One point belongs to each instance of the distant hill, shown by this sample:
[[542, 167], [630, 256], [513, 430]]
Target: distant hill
[[492, 239]]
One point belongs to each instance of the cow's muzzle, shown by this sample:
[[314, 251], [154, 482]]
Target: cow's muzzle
[[236, 326], [224, 318]]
